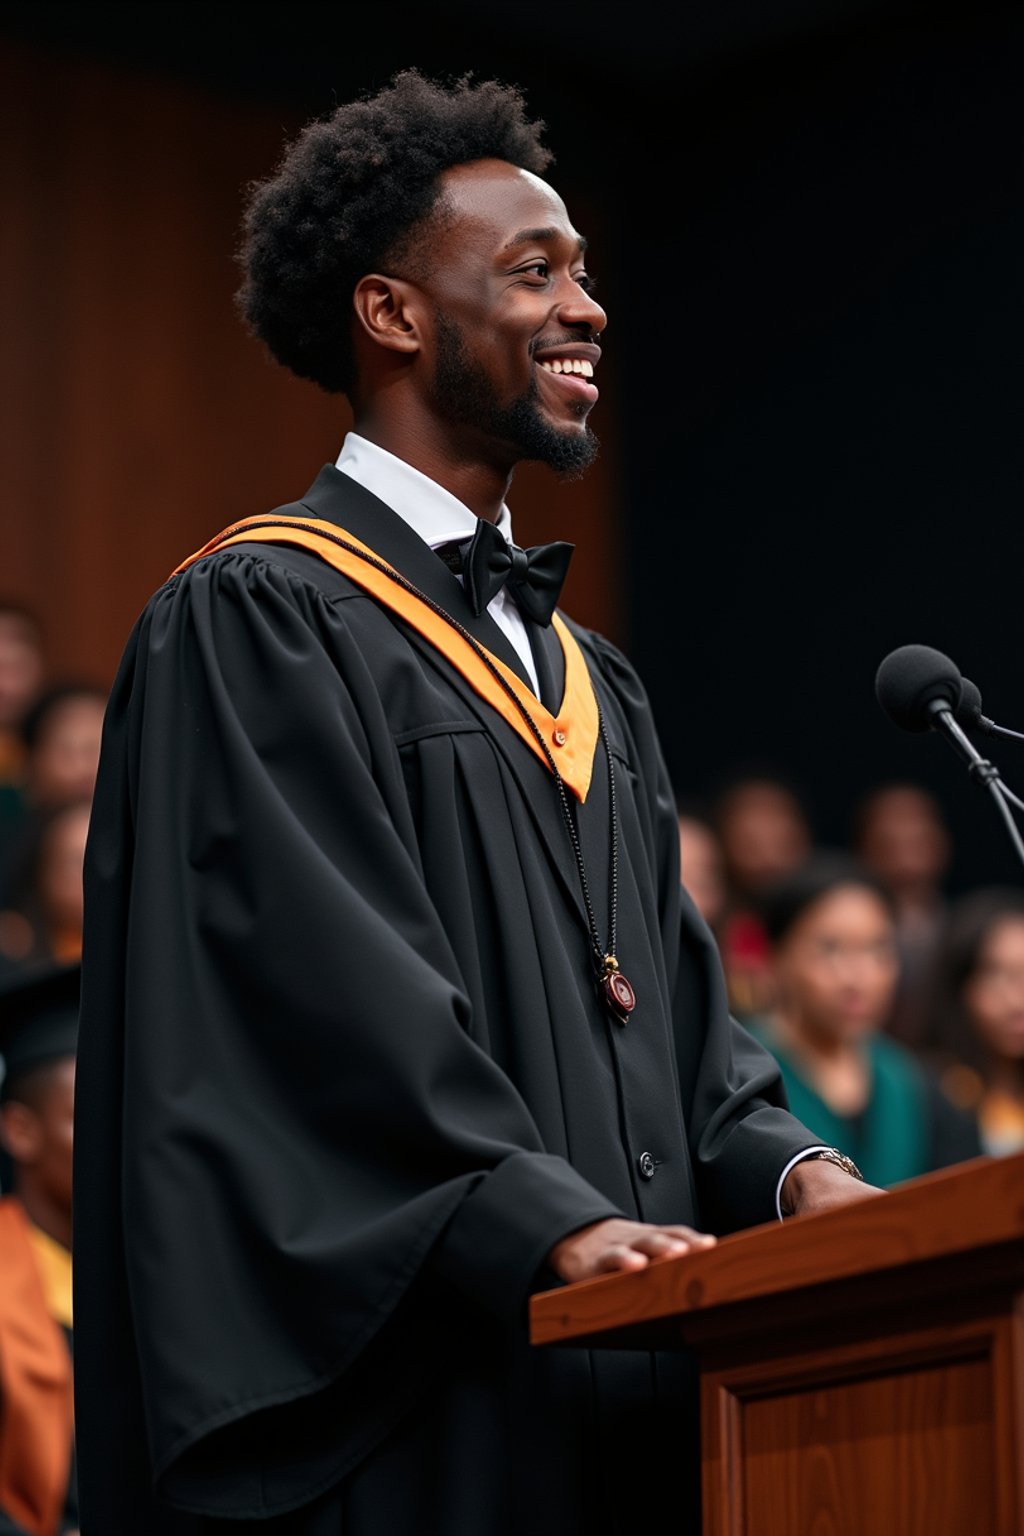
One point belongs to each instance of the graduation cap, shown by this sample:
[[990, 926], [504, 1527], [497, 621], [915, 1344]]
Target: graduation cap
[[38, 1017]]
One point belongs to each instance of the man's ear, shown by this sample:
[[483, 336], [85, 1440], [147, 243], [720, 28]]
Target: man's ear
[[388, 310]]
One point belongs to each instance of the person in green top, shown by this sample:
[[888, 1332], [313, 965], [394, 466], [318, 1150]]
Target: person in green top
[[832, 934]]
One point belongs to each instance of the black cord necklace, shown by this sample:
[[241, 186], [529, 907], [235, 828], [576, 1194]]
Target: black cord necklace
[[616, 992]]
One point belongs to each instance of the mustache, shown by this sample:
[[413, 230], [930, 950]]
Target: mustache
[[548, 342]]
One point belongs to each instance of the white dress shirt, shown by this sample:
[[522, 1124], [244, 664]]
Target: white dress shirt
[[438, 517]]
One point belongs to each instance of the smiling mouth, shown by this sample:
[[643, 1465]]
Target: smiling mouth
[[571, 379], [577, 365]]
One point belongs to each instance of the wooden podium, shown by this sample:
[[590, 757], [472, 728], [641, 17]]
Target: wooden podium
[[862, 1371]]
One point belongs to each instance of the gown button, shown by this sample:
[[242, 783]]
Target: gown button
[[559, 738], [647, 1166]]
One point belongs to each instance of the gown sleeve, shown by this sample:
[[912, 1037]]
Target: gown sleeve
[[302, 1112], [740, 1131]]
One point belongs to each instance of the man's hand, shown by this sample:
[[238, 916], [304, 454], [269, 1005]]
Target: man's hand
[[815, 1185], [620, 1244]]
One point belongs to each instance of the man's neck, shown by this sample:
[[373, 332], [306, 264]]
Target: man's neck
[[480, 486]]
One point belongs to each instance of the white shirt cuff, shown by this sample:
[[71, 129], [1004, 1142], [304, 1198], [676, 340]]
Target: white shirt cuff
[[807, 1152]]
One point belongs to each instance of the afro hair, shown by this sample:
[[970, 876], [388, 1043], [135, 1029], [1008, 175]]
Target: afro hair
[[347, 194]]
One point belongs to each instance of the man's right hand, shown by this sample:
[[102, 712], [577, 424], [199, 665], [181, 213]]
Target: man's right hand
[[618, 1244]]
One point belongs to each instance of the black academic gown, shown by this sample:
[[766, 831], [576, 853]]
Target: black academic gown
[[344, 1077]]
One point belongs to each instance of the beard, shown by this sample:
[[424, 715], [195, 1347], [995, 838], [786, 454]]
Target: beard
[[465, 394]]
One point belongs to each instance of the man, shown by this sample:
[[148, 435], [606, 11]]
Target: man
[[384, 978], [38, 1029]]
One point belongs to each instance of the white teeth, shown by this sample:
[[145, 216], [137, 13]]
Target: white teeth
[[578, 365]]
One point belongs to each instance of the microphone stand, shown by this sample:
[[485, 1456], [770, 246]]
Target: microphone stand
[[981, 770], [976, 718], [991, 729]]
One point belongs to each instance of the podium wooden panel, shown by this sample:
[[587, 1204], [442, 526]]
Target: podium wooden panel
[[862, 1371]]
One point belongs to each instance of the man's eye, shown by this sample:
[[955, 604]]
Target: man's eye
[[541, 268], [586, 282]]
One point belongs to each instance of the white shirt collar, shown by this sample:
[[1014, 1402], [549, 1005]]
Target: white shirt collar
[[431, 511], [438, 517]]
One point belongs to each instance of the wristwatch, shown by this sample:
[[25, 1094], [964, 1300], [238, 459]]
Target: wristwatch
[[833, 1155]]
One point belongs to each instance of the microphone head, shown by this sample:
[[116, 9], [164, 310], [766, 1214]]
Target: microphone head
[[968, 712], [911, 680]]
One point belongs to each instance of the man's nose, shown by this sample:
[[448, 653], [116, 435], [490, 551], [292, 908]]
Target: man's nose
[[579, 308]]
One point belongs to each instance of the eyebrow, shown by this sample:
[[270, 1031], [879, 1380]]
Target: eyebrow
[[539, 236]]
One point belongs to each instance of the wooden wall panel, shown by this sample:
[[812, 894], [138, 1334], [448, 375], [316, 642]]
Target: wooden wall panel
[[139, 417]]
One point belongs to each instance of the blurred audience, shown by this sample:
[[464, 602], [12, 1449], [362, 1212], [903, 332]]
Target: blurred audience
[[702, 865], [61, 738], [62, 742], [44, 919], [764, 833], [22, 670], [21, 678], [976, 1010], [831, 928], [900, 834], [38, 1038], [763, 829]]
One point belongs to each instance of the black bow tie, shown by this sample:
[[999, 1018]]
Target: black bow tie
[[534, 576]]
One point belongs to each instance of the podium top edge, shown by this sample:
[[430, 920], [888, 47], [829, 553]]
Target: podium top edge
[[977, 1205]]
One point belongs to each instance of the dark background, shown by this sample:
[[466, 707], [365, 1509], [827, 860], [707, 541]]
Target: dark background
[[812, 251]]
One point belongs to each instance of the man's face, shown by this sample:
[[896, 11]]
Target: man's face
[[512, 348]]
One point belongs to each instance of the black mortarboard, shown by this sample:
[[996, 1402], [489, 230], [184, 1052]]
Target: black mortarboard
[[38, 1016]]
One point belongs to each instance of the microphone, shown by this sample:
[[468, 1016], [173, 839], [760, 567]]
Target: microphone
[[921, 689], [915, 684], [968, 711]]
